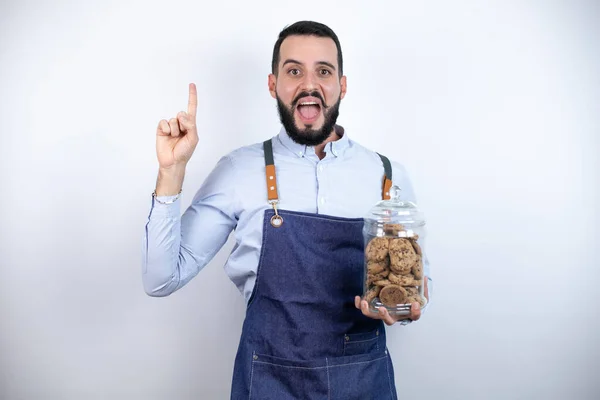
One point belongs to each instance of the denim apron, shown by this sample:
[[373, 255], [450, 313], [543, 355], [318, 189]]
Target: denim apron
[[302, 337]]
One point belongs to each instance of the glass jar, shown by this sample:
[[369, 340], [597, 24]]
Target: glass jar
[[393, 265]]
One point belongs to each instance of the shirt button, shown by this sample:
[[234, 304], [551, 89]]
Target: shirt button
[[320, 168], [322, 200]]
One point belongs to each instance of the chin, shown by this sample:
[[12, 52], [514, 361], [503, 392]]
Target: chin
[[314, 126]]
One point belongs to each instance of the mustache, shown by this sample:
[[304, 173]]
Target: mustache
[[307, 94]]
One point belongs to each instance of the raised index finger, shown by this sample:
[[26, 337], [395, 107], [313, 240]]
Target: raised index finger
[[193, 101]]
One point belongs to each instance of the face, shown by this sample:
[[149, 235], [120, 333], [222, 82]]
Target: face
[[308, 88]]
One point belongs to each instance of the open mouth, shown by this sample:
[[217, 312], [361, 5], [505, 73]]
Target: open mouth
[[308, 111]]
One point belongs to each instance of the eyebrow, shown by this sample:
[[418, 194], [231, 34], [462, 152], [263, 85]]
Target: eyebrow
[[292, 61]]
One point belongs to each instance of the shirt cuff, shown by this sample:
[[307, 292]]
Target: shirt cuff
[[170, 210]]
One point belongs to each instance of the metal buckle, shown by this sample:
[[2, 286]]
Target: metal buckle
[[276, 220]]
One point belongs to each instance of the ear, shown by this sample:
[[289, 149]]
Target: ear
[[273, 85], [343, 86]]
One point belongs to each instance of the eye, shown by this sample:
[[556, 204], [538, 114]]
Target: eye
[[294, 72], [325, 72]]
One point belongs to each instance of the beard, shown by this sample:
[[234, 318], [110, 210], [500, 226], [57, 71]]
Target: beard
[[308, 136]]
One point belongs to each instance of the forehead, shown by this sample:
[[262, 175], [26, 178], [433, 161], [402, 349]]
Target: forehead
[[308, 50]]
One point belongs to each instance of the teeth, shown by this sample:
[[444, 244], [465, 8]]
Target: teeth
[[309, 103]]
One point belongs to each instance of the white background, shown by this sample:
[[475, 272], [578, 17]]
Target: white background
[[492, 107]]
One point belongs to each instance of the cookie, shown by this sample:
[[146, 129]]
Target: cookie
[[392, 229], [392, 295], [403, 280], [416, 246], [398, 246], [402, 268], [376, 277], [402, 255], [416, 298], [377, 249], [376, 267], [372, 293], [411, 291], [417, 269], [383, 282]]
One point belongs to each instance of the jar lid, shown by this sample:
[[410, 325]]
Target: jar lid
[[395, 210]]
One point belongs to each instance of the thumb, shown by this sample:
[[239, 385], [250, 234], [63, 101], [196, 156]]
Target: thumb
[[415, 311]]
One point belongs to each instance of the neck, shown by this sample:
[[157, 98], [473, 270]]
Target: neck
[[320, 148]]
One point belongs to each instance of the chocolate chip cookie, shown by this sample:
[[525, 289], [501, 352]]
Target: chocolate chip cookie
[[392, 295], [372, 293], [417, 298], [377, 267], [416, 247], [417, 269], [392, 229], [402, 255], [377, 249], [403, 280]]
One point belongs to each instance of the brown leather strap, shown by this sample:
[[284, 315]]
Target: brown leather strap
[[387, 177], [387, 185], [270, 171]]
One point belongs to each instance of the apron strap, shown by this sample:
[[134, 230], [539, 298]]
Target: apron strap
[[272, 177], [387, 178], [270, 166]]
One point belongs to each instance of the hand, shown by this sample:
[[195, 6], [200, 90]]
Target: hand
[[177, 138], [415, 310]]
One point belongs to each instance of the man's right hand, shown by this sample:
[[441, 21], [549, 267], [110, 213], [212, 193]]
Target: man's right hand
[[176, 140]]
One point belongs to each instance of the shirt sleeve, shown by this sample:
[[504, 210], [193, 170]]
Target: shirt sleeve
[[400, 178], [176, 247]]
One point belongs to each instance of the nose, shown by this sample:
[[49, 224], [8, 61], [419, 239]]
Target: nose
[[309, 83]]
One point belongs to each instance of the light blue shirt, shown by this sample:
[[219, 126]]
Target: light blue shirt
[[347, 182]]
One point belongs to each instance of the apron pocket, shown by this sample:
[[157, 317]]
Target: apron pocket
[[359, 377], [361, 343], [362, 377], [274, 378]]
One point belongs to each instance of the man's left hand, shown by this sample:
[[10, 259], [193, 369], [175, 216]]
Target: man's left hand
[[415, 310]]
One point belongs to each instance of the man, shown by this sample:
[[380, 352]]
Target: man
[[295, 203]]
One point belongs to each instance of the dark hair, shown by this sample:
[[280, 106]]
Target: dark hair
[[306, 28]]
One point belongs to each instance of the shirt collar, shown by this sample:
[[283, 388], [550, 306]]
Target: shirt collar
[[336, 147]]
